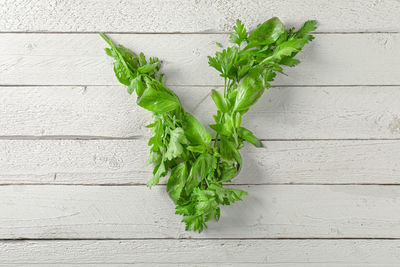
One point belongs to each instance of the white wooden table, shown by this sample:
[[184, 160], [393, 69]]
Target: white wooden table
[[324, 191]]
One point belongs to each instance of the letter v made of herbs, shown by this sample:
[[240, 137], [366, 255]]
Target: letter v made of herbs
[[180, 145]]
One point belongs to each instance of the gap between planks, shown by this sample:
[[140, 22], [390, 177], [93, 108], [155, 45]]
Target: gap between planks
[[198, 238], [181, 33], [139, 137], [201, 86], [225, 184]]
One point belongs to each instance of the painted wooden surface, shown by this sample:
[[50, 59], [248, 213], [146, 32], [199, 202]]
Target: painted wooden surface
[[323, 191], [359, 112], [269, 211], [193, 15], [207, 252], [79, 59], [123, 162]]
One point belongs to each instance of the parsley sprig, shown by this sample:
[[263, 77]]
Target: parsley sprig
[[180, 145]]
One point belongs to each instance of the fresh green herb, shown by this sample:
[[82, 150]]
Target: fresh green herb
[[180, 144]]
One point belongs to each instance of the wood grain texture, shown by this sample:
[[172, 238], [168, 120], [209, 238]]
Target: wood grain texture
[[342, 197], [193, 16], [286, 211], [123, 162], [230, 265], [282, 113], [204, 252], [79, 59]]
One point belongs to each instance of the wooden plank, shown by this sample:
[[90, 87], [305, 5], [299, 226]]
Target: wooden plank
[[204, 252], [275, 211], [193, 16], [123, 162], [283, 113], [235, 265], [79, 59]]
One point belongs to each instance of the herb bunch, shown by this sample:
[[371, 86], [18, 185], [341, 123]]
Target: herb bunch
[[180, 145]]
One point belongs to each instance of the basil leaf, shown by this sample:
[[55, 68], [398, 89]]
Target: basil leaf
[[228, 171], [248, 92], [158, 101], [221, 129], [266, 33], [249, 137], [195, 131], [136, 85], [201, 168], [228, 151], [176, 181], [219, 101], [197, 149], [122, 73], [148, 67]]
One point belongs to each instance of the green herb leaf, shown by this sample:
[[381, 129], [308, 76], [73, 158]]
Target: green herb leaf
[[195, 131], [309, 26], [129, 57], [228, 171], [201, 168], [148, 67], [142, 59], [158, 101], [229, 152], [213, 62], [136, 85], [180, 144], [194, 223], [176, 181], [175, 146], [154, 157], [221, 129], [249, 137], [158, 134], [249, 91], [266, 33], [197, 149], [159, 171], [219, 101], [122, 73], [234, 194], [240, 33]]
